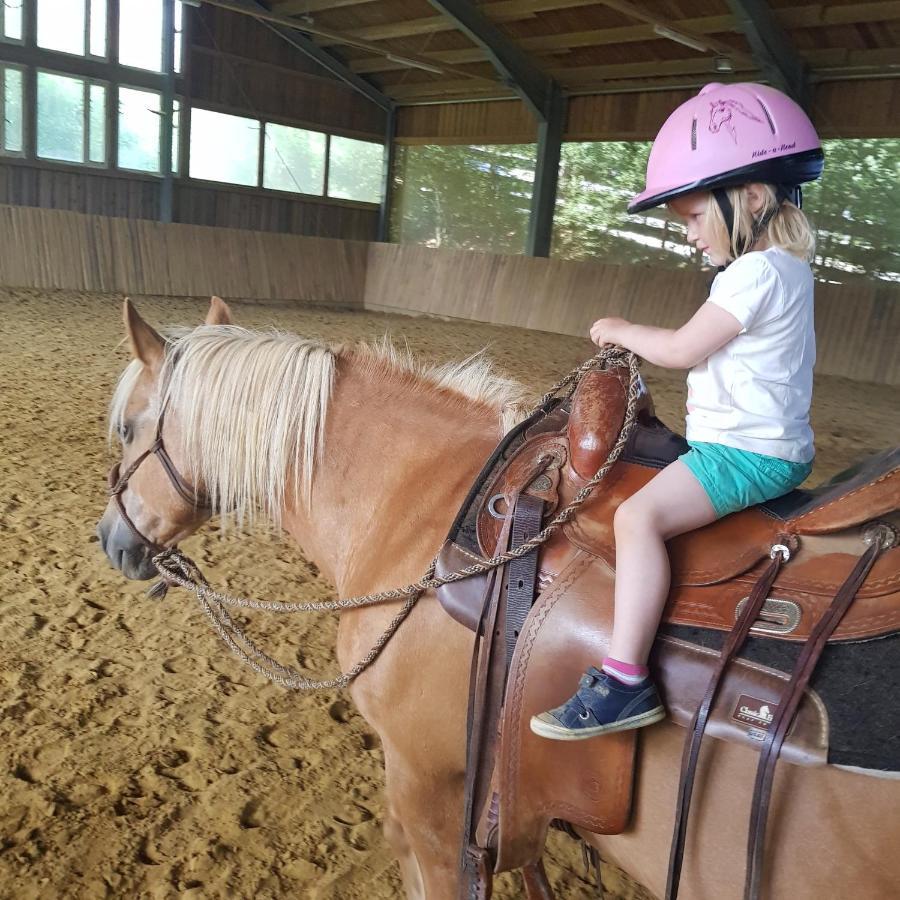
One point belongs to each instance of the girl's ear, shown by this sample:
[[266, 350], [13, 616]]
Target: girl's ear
[[757, 195]]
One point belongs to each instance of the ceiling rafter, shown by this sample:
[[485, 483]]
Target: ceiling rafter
[[773, 49], [516, 68], [261, 13]]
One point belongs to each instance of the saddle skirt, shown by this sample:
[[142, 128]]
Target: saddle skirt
[[713, 571]]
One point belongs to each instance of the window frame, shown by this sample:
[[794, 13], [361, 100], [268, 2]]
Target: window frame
[[87, 82], [22, 70]]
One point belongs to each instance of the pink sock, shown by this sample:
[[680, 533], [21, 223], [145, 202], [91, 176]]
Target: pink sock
[[627, 673]]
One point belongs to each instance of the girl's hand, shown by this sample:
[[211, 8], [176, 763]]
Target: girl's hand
[[608, 331]]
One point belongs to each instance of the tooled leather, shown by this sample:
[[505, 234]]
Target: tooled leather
[[844, 510], [532, 792]]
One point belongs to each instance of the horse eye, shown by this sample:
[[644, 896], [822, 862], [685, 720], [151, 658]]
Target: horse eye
[[126, 432]]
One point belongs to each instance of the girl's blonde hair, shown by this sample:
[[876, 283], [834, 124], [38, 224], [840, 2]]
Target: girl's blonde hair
[[788, 227]]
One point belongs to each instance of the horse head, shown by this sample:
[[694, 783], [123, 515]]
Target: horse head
[[151, 505]]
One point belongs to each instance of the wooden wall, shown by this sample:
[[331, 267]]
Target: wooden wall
[[857, 324], [50, 249], [869, 108], [111, 193], [234, 64]]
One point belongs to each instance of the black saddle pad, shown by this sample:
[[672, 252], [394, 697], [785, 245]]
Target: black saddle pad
[[858, 681]]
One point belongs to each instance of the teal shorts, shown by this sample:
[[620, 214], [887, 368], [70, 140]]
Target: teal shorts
[[735, 479]]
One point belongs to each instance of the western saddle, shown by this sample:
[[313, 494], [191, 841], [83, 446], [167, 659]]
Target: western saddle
[[828, 555]]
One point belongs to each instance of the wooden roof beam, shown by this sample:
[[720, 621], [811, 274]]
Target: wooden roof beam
[[514, 67], [790, 17], [773, 49], [301, 7]]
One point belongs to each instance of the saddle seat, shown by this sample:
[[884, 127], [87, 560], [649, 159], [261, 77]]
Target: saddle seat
[[713, 571]]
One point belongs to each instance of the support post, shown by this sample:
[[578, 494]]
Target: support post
[[546, 175]]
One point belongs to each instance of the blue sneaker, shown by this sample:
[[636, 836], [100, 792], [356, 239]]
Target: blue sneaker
[[601, 705]]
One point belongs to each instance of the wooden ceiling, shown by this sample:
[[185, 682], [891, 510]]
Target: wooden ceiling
[[415, 54]]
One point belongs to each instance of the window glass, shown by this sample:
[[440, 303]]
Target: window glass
[[11, 107], [139, 129], [176, 132], [140, 34], [179, 31], [355, 170], [61, 25], [60, 117], [294, 160], [468, 198], [97, 35], [97, 122], [11, 16], [224, 147]]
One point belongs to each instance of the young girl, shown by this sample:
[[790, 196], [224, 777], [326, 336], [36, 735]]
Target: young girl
[[729, 162]]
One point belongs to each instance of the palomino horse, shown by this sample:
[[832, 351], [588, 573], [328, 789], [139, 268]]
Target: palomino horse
[[363, 459]]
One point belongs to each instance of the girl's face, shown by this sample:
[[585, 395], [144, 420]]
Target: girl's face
[[691, 209]]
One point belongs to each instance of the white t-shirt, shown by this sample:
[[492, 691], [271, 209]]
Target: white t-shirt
[[754, 393]]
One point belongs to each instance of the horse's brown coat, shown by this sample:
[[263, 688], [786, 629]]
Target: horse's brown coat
[[372, 524]]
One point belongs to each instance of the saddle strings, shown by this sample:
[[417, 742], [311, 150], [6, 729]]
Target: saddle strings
[[177, 568]]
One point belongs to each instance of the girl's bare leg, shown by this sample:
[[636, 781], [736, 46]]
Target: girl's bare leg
[[672, 503]]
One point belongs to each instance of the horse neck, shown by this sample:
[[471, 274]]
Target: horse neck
[[398, 460]]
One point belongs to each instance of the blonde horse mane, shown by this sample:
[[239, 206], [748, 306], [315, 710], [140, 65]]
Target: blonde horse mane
[[252, 406]]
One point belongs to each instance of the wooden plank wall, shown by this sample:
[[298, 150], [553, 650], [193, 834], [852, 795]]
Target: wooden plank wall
[[50, 249], [869, 108], [111, 193], [857, 324]]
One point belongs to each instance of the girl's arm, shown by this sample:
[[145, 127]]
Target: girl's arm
[[710, 328]]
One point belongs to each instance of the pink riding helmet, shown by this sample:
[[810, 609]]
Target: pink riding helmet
[[731, 134]]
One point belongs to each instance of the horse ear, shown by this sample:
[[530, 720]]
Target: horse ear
[[146, 344], [219, 313]]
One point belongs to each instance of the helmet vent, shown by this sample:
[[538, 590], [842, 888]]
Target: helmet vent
[[694, 134], [762, 106]]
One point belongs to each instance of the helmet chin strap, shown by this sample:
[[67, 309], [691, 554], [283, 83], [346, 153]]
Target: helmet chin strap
[[783, 192]]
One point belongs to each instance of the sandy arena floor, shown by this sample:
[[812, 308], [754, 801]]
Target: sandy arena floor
[[137, 758]]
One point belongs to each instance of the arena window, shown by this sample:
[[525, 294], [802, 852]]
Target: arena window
[[355, 169], [463, 197], [294, 159], [224, 147], [141, 34], [72, 26], [140, 118], [12, 136], [71, 119]]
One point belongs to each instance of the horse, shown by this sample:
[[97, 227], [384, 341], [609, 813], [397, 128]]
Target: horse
[[362, 456]]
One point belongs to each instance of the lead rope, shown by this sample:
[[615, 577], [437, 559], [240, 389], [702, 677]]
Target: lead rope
[[177, 568]]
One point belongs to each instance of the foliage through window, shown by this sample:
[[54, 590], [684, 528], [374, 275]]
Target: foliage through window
[[294, 159], [72, 26], [71, 119], [12, 136], [471, 198], [224, 147], [355, 170], [140, 120]]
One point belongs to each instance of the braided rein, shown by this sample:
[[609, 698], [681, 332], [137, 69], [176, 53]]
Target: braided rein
[[177, 568]]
